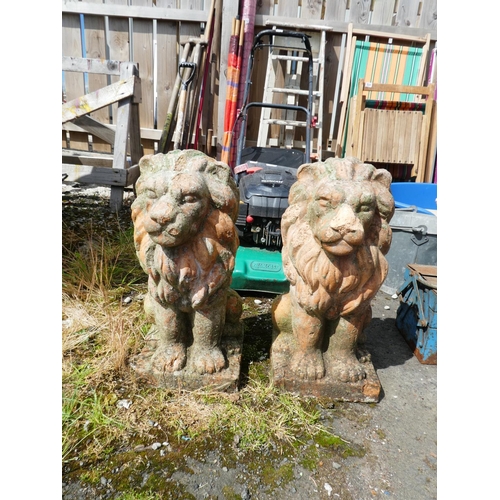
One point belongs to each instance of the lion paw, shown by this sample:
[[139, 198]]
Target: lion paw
[[308, 365], [349, 371], [208, 360], [171, 358]]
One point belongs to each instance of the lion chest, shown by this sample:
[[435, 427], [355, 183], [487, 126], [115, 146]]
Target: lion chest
[[185, 277]]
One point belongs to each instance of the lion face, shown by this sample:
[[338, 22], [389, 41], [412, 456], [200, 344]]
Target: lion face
[[340, 214], [176, 207]]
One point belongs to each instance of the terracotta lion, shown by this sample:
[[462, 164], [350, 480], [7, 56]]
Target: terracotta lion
[[335, 235], [186, 241]]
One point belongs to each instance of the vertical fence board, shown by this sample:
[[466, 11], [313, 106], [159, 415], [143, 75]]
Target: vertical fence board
[[428, 17], [311, 9], [407, 13], [335, 10], [96, 49], [167, 66], [118, 45], [265, 8], [73, 81], [360, 11], [288, 8], [383, 12], [142, 43]]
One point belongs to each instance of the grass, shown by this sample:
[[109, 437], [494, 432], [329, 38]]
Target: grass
[[101, 333]]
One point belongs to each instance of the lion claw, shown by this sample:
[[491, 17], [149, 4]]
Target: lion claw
[[208, 360], [170, 359], [308, 365]]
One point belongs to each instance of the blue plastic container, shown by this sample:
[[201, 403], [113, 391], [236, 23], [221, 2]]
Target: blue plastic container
[[421, 195]]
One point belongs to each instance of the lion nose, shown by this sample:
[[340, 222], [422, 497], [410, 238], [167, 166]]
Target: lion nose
[[162, 211], [345, 221]]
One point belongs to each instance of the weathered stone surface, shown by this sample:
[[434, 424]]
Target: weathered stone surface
[[335, 234], [186, 242]]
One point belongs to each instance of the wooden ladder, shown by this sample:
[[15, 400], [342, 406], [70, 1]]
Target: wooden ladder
[[284, 84]]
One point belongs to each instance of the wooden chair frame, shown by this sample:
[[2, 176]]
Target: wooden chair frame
[[105, 169], [419, 135]]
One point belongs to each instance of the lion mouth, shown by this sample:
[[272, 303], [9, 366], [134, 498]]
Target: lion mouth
[[337, 248]]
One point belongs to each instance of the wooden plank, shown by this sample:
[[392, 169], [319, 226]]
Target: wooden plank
[[167, 63], [265, 8], [383, 11], [188, 28], [312, 9], [407, 13], [73, 83], [71, 157], [94, 127], [360, 12], [96, 100], [86, 65], [96, 49], [399, 32], [118, 44], [134, 11], [142, 54], [146, 133], [288, 8], [428, 17], [335, 10], [90, 174]]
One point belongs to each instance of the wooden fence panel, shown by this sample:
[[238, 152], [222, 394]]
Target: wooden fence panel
[[265, 8], [73, 83], [428, 17], [383, 12], [407, 13], [143, 31], [166, 64], [142, 53], [95, 48], [335, 10], [360, 12], [117, 43]]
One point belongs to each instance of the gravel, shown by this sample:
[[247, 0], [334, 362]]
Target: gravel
[[398, 434]]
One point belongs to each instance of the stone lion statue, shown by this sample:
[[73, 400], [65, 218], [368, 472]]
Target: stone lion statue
[[186, 242], [335, 235]]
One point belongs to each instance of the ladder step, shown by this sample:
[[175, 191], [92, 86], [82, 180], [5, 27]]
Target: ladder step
[[293, 58], [293, 123], [315, 93]]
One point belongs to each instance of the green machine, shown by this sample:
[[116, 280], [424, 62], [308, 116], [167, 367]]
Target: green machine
[[264, 176]]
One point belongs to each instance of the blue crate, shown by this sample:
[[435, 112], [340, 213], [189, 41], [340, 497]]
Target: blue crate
[[416, 317]]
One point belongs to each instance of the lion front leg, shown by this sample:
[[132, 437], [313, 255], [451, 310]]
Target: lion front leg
[[307, 362], [342, 347], [170, 354], [208, 324]]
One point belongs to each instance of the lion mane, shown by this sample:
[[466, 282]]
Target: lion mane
[[326, 284], [188, 273]]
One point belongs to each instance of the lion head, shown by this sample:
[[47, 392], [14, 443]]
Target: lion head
[[184, 230], [335, 234]]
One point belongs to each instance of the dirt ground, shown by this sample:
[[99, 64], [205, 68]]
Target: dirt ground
[[396, 439]]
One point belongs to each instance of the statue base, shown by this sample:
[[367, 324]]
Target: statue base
[[328, 388], [226, 380]]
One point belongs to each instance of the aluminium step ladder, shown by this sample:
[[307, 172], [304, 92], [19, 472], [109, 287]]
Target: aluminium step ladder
[[286, 83]]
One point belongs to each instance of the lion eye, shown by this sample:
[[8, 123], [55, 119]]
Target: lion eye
[[150, 193], [365, 208], [324, 202], [189, 198]]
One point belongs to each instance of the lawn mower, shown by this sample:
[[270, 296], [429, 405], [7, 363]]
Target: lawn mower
[[264, 176]]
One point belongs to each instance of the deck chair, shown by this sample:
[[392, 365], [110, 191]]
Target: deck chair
[[379, 58], [388, 127]]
